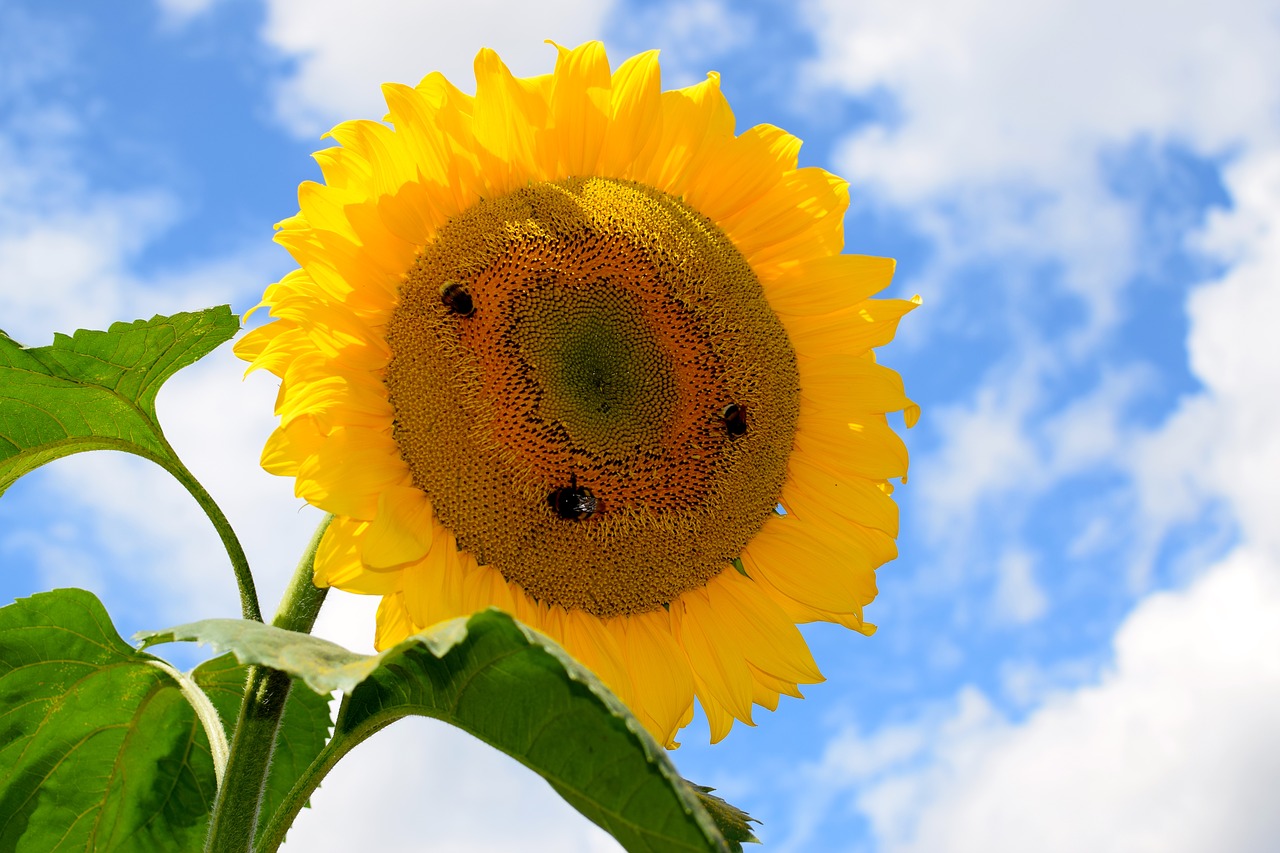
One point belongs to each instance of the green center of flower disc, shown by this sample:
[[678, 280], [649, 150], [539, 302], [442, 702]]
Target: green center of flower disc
[[592, 390], [604, 375]]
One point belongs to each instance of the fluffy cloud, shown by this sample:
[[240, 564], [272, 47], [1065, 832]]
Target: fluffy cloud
[[999, 92], [339, 56], [1004, 115], [1001, 119], [1223, 443], [1173, 749], [421, 785]]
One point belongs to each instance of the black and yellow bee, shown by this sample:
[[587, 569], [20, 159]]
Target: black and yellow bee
[[735, 419], [573, 503], [457, 298]]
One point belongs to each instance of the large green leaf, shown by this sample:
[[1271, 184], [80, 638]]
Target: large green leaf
[[304, 729], [99, 749], [97, 390], [512, 688]]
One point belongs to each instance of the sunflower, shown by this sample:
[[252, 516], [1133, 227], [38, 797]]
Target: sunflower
[[572, 348]]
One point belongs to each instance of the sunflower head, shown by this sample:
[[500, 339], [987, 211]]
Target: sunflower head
[[573, 348]]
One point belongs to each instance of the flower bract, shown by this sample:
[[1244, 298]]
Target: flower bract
[[572, 348]]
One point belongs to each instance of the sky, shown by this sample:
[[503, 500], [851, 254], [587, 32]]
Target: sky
[[1079, 646]]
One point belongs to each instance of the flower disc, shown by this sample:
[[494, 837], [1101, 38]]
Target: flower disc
[[607, 329]]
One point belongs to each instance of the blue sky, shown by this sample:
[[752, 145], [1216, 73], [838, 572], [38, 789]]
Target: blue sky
[[1080, 643]]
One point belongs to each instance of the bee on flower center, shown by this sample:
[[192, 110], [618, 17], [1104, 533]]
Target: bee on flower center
[[574, 503], [735, 419], [457, 299]]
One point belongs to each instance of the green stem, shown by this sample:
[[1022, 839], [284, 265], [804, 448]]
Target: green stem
[[301, 601], [235, 809], [249, 607], [278, 824]]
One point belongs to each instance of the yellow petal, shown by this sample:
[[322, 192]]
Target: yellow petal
[[812, 483], [753, 626], [289, 446], [349, 470], [841, 384], [865, 447], [402, 530], [580, 96], [393, 624], [660, 673], [586, 638], [742, 172], [849, 331], [485, 587], [806, 565], [636, 128], [720, 677], [433, 586], [823, 285], [692, 119], [315, 388], [507, 109], [338, 562]]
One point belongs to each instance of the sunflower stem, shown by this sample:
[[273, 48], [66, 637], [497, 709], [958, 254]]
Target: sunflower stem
[[249, 607], [278, 824], [301, 601], [235, 809]]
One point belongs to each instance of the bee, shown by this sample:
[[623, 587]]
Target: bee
[[455, 297], [573, 503], [735, 419]]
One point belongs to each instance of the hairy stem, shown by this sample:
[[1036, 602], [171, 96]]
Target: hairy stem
[[278, 824], [235, 809]]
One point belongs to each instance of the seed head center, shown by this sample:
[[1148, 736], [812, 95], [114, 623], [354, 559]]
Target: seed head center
[[563, 358]]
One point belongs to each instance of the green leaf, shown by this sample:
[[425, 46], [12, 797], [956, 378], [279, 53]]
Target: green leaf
[[733, 822], [97, 390], [509, 686], [99, 749], [304, 729]]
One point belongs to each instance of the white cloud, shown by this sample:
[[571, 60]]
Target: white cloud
[[1000, 447], [1002, 115], [422, 785], [692, 35], [1174, 749], [175, 13], [994, 91], [1019, 598], [340, 56], [1222, 444], [1004, 112], [988, 452]]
